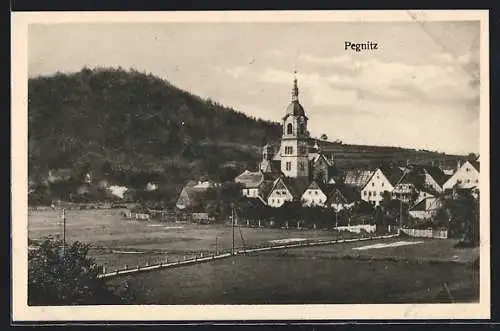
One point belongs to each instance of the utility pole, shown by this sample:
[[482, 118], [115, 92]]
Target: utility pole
[[232, 225], [400, 215], [64, 231], [216, 246]]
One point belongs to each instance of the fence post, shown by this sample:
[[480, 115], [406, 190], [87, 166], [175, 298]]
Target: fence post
[[147, 264], [138, 268], [103, 269]]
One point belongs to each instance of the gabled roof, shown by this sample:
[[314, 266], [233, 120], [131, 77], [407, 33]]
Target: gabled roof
[[296, 186], [342, 194], [250, 179], [265, 188], [315, 185], [437, 174], [393, 174], [419, 205], [475, 164], [357, 177]]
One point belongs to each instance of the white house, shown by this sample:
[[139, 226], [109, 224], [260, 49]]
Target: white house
[[425, 208], [280, 193], [467, 176], [382, 180], [251, 181], [314, 195]]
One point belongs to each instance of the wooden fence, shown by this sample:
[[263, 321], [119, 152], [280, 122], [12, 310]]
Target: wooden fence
[[426, 233], [167, 264]]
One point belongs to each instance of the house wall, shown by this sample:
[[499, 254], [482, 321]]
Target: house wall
[[405, 192], [430, 182], [466, 177], [278, 197], [252, 192], [376, 186], [313, 197]]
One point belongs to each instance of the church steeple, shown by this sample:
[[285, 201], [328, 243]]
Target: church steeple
[[295, 89]]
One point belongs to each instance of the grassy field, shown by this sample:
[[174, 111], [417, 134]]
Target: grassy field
[[119, 242], [319, 275]]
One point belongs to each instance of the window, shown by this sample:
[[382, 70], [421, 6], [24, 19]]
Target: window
[[467, 169], [364, 193], [272, 200], [301, 166], [289, 128], [316, 192], [288, 166], [288, 150], [382, 184], [477, 181], [373, 184], [310, 192], [370, 194]]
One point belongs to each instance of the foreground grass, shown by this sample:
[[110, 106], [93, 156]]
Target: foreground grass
[[315, 275]]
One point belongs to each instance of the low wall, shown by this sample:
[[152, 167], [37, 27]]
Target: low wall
[[426, 233]]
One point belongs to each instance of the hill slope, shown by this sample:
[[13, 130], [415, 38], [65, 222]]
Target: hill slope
[[130, 128], [128, 120]]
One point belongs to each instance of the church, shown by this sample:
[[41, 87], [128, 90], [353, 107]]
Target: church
[[295, 168]]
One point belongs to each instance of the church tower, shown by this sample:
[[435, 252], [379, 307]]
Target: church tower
[[294, 141]]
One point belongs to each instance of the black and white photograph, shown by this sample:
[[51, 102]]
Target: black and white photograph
[[216, 164]]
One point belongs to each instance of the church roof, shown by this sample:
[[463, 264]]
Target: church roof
[[295, 109]]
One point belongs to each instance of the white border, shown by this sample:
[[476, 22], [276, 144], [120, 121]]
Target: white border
[[22, 312]]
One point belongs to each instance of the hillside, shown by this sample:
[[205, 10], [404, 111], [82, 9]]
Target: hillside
[[129, 128]]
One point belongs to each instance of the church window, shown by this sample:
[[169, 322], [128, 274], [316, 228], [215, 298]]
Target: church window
[[301, 166], [289, 128], [288, 166]]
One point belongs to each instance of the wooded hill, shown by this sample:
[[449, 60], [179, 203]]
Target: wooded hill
[[130, 127]]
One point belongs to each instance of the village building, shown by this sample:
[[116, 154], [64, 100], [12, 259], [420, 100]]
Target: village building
[[342, 197], [357, 178], [419, 182], [192, 193], [315, 195], [286, 189], [425, 208], [59, 175], [466, 177], [382, 180]]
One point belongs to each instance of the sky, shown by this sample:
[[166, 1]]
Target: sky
[[419, 89]]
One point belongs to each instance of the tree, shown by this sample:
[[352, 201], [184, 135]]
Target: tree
[[462, 209], [71, 278]]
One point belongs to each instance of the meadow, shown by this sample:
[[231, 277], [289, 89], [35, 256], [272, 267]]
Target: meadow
[[336, 274], [376, 271], [117, 242]]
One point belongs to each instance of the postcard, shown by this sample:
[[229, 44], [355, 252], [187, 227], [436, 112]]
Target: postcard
[[239, 165]]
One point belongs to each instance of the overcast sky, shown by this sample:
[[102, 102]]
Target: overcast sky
[[419, 89]]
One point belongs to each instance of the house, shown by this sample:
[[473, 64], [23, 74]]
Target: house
[[419, 182], [59, 175], [192, 193], [286, 189], [466, 177], [425, 208], [382, 180], [314, 195], [251, 182], [357, 178], [151, 187], [342, 197]]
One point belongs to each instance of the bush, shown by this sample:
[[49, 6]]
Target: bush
[[69, 278]]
